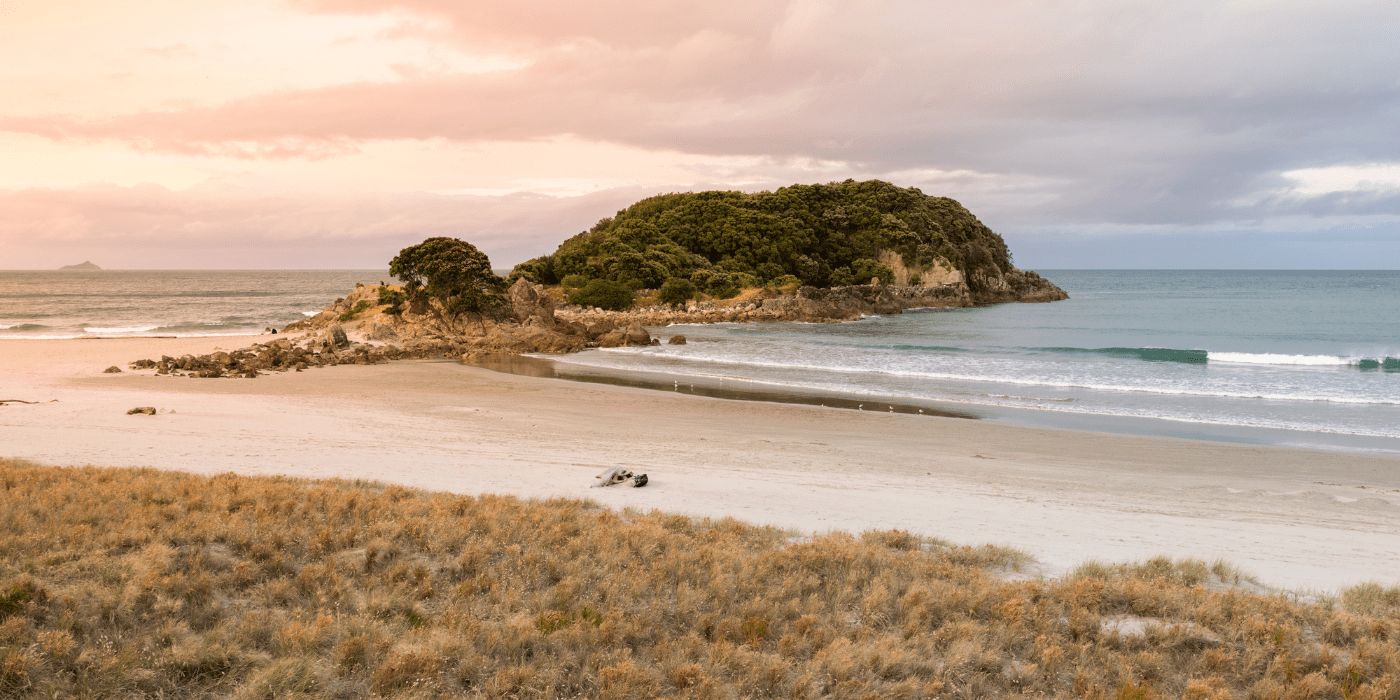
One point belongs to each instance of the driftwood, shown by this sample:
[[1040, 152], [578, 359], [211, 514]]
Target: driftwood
[[620, 475], [5, 401]]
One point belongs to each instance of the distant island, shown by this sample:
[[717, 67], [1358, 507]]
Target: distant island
[[84, 265]]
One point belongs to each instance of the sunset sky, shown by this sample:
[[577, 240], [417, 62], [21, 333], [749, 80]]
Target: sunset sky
[[331, 133]]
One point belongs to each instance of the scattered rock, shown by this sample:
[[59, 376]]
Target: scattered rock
[[112, 370], [147, 410], [676, 340]]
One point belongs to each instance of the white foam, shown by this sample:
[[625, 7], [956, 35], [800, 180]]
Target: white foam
[[1052, 405], [1270, 359], [1020, 379], [130, 329]]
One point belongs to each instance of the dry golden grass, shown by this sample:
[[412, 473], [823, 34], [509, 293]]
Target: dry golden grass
[[124, 583]]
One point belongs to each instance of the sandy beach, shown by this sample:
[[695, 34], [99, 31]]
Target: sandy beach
[[1297, 519]]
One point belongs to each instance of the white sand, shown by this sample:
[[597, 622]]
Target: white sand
[[1298, 519]]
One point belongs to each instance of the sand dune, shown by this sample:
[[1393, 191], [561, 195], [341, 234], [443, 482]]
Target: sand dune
[[1295, 518]]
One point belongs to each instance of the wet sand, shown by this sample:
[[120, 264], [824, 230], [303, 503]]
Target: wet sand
[[1295, 518]]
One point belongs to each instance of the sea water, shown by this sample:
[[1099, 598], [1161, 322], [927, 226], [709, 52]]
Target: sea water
[[118, 303], [1308, 358], [1212, 354]]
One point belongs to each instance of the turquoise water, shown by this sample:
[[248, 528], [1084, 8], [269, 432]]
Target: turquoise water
[[1309, 352]]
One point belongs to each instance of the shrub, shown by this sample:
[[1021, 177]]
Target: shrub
[[743, 280], [701, 278], [785, 282], [392, 298], [574, 282], [916, 279], [603, 294], [675, 291], [866, 269], [360, 305]]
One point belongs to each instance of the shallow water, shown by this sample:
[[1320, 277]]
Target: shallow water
[[1307, 352]]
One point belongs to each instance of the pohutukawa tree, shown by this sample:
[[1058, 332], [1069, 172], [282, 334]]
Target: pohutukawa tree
[[452, 271]]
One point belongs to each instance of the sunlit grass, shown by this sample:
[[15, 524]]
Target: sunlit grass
[[125, 583]]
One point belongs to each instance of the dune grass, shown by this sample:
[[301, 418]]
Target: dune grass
[[125, 583]]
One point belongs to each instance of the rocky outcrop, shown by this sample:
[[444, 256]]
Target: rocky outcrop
[[365, 297], [530, 322], [1016, 285], [808, 304], [283, 355], [814, 305]]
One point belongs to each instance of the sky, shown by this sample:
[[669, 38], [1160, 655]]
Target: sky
[[332, 133]]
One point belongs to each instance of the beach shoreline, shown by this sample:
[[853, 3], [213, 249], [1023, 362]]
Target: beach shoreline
[[1295, 518]]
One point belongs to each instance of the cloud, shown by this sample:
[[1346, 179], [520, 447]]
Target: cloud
[[232, 224], [1134, 113]]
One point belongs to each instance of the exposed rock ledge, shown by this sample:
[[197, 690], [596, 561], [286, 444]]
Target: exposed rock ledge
[[530, 323]]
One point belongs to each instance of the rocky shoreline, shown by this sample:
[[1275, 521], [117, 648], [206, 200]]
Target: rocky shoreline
[[534, 322]]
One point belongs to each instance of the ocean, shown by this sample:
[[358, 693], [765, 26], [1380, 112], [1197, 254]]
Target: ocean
[[1298, 358], [117, 303]]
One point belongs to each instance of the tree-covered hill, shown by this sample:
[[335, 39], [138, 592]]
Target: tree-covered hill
[[821, 235]]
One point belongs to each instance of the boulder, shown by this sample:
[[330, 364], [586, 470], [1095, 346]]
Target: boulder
[[334, 337], [600, 328], [676, 340], [636, 335], [529, 300], [614, 338], [112, 370], [375, 329]]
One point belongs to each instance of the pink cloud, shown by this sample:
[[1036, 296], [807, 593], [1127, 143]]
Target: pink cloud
[[223, 225], [1146, 113]]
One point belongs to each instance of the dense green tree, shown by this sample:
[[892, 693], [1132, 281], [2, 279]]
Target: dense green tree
[[603, 294], [452, 271], [675, 291], [821, 234]]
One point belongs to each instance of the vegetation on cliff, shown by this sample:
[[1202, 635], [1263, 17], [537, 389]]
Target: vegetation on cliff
[[821, 235], [146, 583]]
